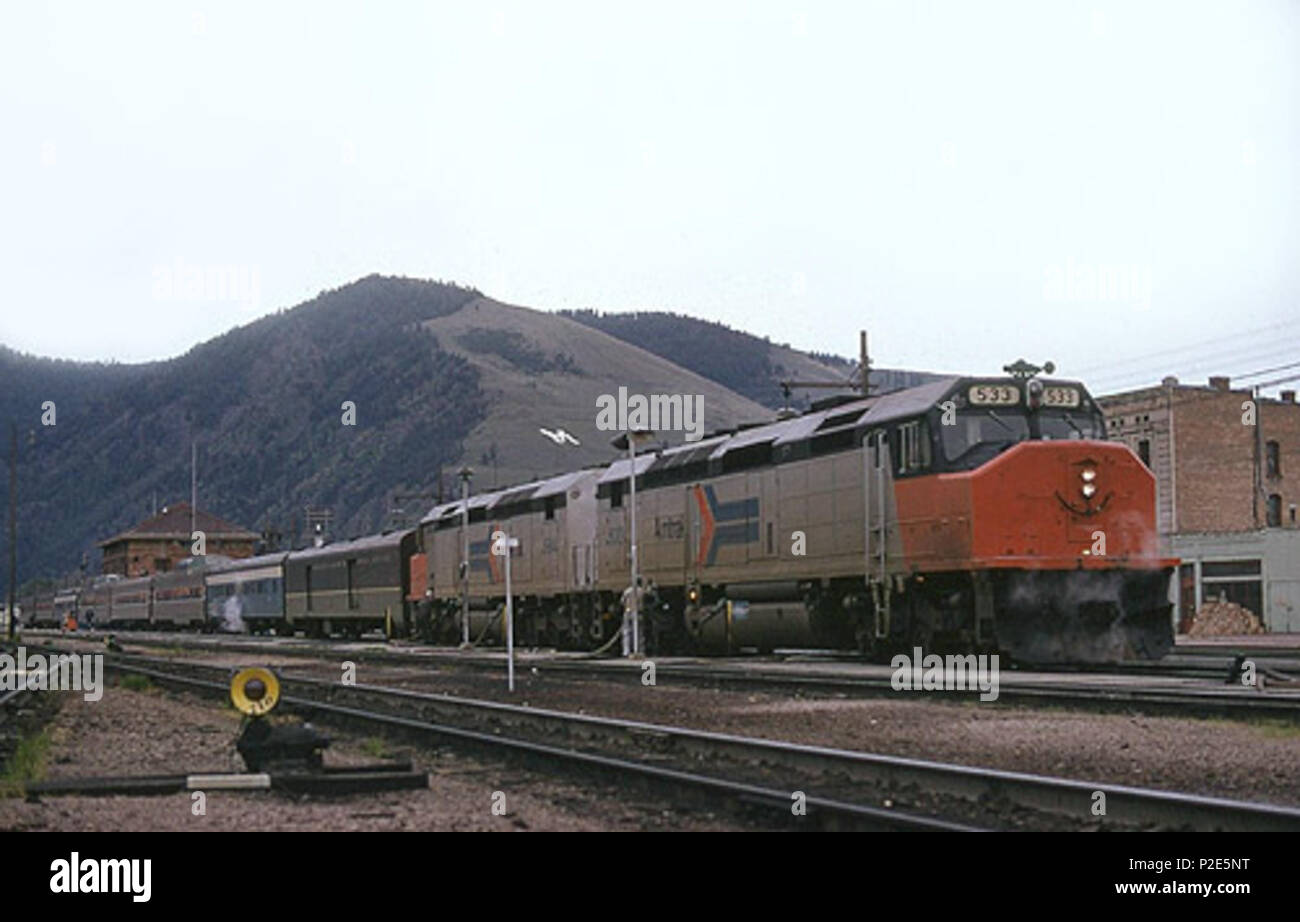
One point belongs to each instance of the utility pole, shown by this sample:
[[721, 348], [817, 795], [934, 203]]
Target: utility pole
[[860, 382], [1255, 450], [864, 364], [194, 485], [13, 520]]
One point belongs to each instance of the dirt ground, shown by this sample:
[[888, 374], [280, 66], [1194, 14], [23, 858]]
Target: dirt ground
[[152, 732], [1233, 759]]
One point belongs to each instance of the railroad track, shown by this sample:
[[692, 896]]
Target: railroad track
[[12, 698], [1078, 689], [843, 789]]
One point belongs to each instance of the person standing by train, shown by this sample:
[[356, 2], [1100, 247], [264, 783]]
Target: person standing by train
[[424, 617], [632, 599]]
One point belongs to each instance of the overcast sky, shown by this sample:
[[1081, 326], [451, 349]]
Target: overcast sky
[[1109, 185]]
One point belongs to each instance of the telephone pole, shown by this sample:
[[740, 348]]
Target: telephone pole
[[860, 381], [194, 485], [13, 521]]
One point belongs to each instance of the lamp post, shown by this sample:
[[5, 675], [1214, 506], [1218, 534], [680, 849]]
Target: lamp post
[[628, 440], [503, 545], [465, 474]]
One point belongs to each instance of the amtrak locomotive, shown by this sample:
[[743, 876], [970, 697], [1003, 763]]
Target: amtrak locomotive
[[964, 514]]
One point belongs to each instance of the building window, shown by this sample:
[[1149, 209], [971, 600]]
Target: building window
[[1144, 452], [352, 585], [550, 508], [1272, 459], [616, 494], [1237, 581], [1274, 511], [308, 587]]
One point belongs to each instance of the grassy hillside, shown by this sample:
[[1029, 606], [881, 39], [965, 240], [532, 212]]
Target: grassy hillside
[[747, 364], [542, 370], [264, 403]]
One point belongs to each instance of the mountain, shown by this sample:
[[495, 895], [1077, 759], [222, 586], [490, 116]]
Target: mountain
[[265, 404], [545, 371], [749, 365], [431, 375], [440, 376]]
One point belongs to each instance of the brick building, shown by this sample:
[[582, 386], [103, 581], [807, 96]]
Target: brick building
[[1227, 470], [157, 544]]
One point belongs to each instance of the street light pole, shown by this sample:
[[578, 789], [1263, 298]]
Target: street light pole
[[635, 628], [504, 544], [465, 475], [636, 588]]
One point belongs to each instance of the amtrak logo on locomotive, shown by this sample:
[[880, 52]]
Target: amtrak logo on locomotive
[[482, 560], [721, 524]]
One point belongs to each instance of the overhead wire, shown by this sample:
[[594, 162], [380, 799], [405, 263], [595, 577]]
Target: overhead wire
[[1223, 362], [1216, 343]]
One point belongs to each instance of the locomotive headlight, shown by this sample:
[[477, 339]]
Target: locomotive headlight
[[1088, 489], [1088, 476]]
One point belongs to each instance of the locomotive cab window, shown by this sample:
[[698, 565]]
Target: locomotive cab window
[[1070, 424], [979, 434]]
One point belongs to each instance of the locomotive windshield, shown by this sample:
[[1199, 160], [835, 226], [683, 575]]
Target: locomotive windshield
[[981, 433]]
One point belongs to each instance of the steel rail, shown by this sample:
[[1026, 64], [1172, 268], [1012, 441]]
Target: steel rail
[[837, 813], [1208, 701], [1125, 805]]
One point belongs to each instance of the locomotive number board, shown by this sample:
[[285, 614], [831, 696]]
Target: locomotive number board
[[1060, 397], [994, 395]]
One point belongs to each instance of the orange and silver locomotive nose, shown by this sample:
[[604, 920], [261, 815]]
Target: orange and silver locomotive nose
[[1067, 532]]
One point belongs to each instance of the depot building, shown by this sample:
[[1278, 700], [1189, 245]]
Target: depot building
[[1227, 469]]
